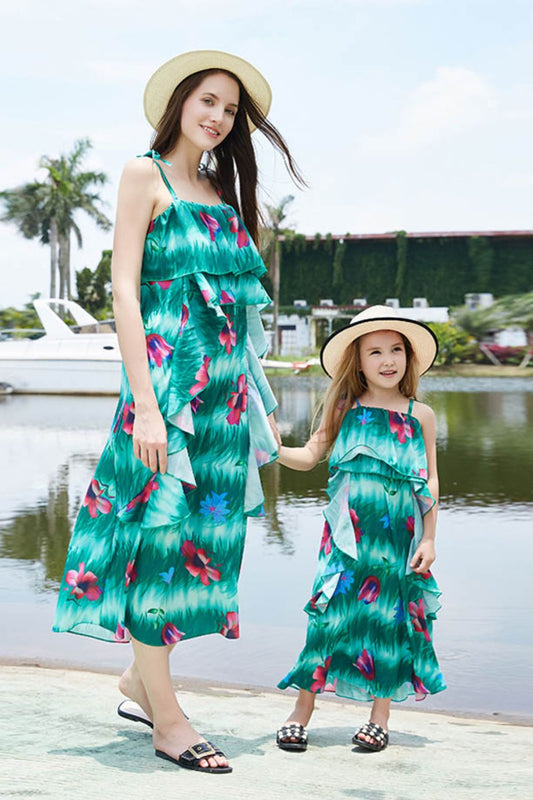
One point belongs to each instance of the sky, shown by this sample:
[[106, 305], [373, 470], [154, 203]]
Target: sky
[[409, 115]]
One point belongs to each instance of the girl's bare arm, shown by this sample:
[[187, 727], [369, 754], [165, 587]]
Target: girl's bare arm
[[306, 457], [425, 553]]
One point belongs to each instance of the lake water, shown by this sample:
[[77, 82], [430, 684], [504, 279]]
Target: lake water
[[50, 446]]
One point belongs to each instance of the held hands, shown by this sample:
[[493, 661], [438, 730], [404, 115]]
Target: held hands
[[424, 556], [275, 430], [150, 440]]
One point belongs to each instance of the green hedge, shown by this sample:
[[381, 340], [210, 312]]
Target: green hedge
[[442, 269]]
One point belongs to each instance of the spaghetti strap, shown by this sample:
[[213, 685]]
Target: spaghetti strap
[[358, 404], [410, 409], [156, 158]]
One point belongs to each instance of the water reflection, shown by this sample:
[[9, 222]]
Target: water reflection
[[51, 446]]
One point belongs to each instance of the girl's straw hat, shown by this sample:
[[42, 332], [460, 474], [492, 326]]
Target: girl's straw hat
[[380, 318], [161, 85]]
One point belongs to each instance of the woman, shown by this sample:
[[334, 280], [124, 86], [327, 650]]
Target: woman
[[157, 547]]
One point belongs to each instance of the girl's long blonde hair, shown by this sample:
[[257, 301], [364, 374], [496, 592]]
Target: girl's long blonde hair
[[349, 383]]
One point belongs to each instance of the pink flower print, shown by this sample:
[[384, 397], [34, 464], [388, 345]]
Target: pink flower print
[[423, 473], [238, 401], [206, 294], [170, 634], [261, 457], [227, 336], [158, 349], [161, 284], [365, 664], [201, 376], [418, 618], [418, 686], [121, 634], [144, 496], [211, 224], [401, 426], [83, 583], [236, 226], [313, 600], [226, 297], [197, 563], [320, 675], [325, 544], [195, 404], [355, 522], [95, 500], [131, 573], [184, 318], [410, 525], [231, 629], [370, 589], [128, 418], [151, 226]]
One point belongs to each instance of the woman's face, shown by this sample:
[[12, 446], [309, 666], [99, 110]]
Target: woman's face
[[209, 112], [383, 358]]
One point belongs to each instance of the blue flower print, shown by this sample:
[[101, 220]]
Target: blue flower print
[[167, 576], [399, 615], [365, 417], [345, 582], [215, 506], [385, 520]]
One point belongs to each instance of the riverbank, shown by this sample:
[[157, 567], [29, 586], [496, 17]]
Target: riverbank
[[448, 371], [63, 739]]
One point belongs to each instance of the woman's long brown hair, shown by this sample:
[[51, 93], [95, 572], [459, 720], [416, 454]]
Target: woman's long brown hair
[[233, 160], [349, 384]]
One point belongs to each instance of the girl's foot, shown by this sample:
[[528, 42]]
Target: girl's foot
[[300, 715], [380, 717]]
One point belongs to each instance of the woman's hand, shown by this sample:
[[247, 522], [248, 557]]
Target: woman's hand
[[275, 430], [424, 556], [150, 439]]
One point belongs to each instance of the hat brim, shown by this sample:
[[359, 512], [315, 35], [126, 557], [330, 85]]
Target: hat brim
[[424, 342], [161, 85]]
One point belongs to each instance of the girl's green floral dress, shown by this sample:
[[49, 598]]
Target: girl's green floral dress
[[370, 616], [158, 556]]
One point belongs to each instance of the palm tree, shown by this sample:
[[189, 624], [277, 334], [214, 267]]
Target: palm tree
[[46, 209], [271, 252]]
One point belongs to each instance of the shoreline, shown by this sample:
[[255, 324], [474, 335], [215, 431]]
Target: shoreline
[[439, 371], [206, 686]]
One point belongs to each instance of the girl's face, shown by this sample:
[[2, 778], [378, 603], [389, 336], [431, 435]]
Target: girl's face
[[209, 112], [383, 359]]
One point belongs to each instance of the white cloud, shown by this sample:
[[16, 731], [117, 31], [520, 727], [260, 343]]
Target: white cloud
[[454, 101]]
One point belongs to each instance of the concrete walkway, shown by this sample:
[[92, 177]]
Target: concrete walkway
[[60, 738]]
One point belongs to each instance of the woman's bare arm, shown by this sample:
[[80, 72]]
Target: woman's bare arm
[[134, 212]]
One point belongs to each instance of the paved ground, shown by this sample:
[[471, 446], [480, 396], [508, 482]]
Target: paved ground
[[60, 738]]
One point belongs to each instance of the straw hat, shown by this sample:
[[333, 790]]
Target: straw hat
[[380, 318], [161, 85]]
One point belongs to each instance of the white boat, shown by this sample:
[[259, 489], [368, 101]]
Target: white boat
[[83, 359]]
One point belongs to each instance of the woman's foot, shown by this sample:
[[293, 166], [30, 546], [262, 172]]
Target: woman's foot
[[380, 717], [301, 714], [174, 740], [131, 686]]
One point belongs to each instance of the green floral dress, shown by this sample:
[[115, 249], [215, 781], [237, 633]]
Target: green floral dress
[[370, 616], [158, 556]]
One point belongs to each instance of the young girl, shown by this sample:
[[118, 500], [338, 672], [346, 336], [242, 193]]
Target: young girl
[[157, 547], [369, 634]]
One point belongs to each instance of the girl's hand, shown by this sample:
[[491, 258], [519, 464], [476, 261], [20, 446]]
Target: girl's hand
[[150, 439], [275, 430], [424, 556]]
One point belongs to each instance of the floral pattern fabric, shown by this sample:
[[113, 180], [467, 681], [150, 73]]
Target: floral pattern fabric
[[370, 629], [158, 556]]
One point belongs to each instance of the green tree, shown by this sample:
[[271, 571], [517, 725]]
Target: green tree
[[271, 252], [93, 286], [47, 209]]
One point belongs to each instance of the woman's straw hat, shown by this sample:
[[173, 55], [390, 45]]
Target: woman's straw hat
[[380, 318], [161, 85]]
